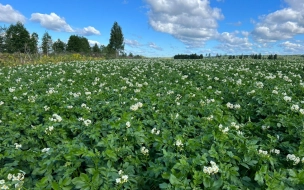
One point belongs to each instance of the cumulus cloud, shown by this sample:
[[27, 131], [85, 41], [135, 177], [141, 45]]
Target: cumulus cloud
[[281, 24], [132, 43], [293, 48], [52, 22], [88, 31], [154, 46], [193, 21], [295, 4], [232, 43], [10, 15], [245, 33], [93, 42]]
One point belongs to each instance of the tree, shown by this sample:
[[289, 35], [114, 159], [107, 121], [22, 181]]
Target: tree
[[46, 43], [186, 56], [33, 45], [103, 50], [85, 45], [78, 44], [270, 56], [96, 49], [116, 39], [59, 46], [74, 44], [17, 38]]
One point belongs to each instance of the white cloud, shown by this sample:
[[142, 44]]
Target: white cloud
[[51, 22], [154, 46], [281, 24], [245, 33], [293, 48], [132, 43], [231, 43], [296, 4], [93, 42], [10, 15], [193, 21], [88, 31]]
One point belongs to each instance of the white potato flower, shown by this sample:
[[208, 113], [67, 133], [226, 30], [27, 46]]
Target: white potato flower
[[179, 143], [128, 124]]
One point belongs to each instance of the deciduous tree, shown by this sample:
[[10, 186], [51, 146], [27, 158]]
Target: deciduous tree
[[17, 38], [78, 44], [116, 39], [46, 43], [33, 45], [59, 46]]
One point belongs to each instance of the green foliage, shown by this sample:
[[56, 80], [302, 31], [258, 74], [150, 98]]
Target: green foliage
[[78, 44], [46, 44], [96, 49], [33, 45], [116, 39], [17, 38], [153, 124], [59, 46], [190, 56]]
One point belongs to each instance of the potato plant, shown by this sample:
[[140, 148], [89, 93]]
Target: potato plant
[[152, 124]]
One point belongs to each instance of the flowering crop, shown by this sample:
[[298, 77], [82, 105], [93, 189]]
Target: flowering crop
[[152, 124]]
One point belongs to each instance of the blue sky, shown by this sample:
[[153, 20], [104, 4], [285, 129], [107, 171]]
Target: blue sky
[[163, 28]]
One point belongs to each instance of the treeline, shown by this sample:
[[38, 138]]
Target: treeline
[[16, 39], [253, 56], [190, 56]]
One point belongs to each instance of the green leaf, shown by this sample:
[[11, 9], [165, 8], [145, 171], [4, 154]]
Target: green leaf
[[110, 154], [66, 181], [84, 177], [174, 181], [55, 186], [166, 175], [217, 184], [292, 173], [163, 185], [82, 182], [96, 180], [259, 178], [207, 181], [245, 165]]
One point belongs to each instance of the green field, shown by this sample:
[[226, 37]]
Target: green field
[[153, 124]]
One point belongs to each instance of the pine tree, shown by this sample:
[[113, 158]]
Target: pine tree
[[96, 49]]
